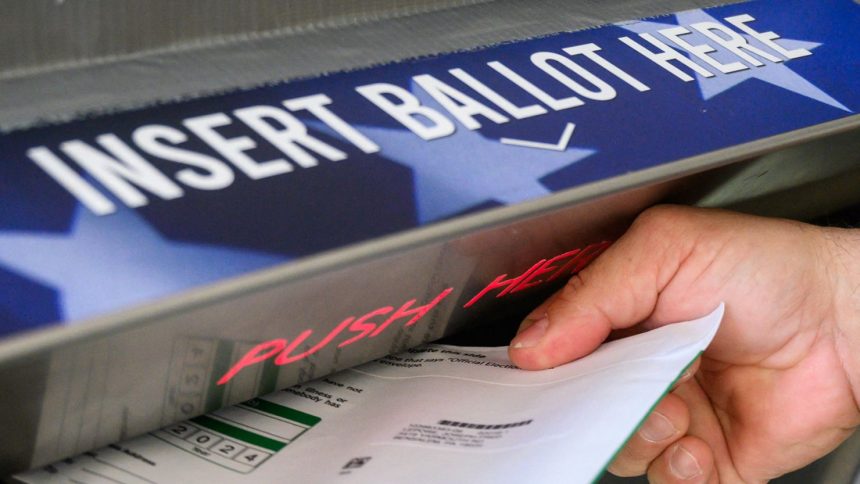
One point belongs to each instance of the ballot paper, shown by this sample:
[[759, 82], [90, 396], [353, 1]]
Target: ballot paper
[[435, 413]]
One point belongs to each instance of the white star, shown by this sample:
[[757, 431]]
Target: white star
[[466, 169], [777, 74], [116, 261]]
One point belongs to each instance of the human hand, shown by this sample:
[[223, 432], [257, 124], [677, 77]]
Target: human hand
[[778, 386]]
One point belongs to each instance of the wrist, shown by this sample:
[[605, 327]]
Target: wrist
[[842, 268]]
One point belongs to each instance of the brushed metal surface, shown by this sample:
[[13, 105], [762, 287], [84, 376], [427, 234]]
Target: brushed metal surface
[[81, 63]]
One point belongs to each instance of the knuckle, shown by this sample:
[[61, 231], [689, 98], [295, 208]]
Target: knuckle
[[573, 285], [567, 296], [662, 217], [636, 456]]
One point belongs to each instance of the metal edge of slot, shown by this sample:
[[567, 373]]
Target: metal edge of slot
[[20, 346], [197, 69]]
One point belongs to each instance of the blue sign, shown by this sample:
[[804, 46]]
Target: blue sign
[[106, 213]]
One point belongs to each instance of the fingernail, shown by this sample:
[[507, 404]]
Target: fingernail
[[683, 464], [532, 335], [657, 428]]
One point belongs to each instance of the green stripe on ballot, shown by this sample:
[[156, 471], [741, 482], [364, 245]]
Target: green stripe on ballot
[[239, 434], [282, 411]]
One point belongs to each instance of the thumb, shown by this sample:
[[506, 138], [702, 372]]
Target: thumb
[[618, 290]]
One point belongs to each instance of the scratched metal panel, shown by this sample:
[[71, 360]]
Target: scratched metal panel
[[168, 50]]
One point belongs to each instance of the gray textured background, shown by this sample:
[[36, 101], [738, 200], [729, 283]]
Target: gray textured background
[[61, 59]]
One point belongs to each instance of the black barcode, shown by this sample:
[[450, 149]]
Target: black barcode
[[467, 425]]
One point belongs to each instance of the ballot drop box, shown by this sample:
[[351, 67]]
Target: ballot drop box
[[199, 206]]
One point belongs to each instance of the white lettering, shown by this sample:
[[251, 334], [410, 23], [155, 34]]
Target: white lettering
[[288, 138], [460, 105], [538, 93], [767, 38], [518, 112], [665, 56], [734, 42], [590, 52], [125, 166], [544, 61], [233, 149], [407, 109], [153, 139], [316, 105], [75, 184], [701, 51]]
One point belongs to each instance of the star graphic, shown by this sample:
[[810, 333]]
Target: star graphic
[[466, 168], [775, 73], [112, 262]]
